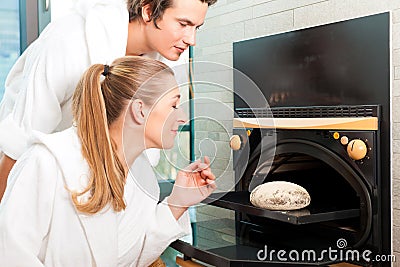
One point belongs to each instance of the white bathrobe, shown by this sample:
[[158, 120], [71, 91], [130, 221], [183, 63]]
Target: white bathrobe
[[39, 225], [40, 85]]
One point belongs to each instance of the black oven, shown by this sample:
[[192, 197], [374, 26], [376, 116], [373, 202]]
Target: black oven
[[327, 128], [342, 221]]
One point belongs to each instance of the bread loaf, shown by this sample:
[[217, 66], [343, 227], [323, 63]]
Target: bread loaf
[[280, 195]]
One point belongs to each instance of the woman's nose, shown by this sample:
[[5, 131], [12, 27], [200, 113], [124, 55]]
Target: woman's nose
[[182, 117]]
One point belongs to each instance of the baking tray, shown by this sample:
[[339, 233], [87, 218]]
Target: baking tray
[[314, 213]]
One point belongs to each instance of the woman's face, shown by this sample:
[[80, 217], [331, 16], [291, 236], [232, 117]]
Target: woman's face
[[164, 119]]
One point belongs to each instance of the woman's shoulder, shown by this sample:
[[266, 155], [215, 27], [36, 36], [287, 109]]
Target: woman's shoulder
[[52, 154], [38, 154], [57, 140], [62, 146], [35, 166]]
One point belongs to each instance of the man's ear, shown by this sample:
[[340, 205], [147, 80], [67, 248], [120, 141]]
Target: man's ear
[[146, 13], [137, 111]]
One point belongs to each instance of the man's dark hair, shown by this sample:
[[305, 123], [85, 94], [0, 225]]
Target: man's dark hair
[[157, 8]]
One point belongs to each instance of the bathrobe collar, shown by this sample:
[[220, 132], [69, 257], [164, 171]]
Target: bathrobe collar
[[106, 23], [100, 228]]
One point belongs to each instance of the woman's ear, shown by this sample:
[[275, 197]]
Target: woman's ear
[[137, 111], [146, 13]]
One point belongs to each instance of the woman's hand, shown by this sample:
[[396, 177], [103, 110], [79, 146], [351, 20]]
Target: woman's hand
[[193, 184]]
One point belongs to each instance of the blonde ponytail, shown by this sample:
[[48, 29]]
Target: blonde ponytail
[[95, 106], [107, 179]]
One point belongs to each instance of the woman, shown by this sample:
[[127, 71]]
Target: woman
[[71, 200]]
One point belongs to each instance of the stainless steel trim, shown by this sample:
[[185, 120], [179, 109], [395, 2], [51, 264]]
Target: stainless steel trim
[[355, 123]]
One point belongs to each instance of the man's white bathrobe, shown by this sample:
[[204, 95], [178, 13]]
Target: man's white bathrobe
[[39, 225], [39, 87]]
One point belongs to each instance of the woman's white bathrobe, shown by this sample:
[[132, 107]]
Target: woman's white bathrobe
[[40, 85], [39, 225]]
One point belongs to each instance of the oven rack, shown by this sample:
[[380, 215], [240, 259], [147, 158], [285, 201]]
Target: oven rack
[[240, 201]]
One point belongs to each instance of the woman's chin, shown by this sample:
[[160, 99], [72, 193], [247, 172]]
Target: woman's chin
[[168, 142], [167, 146]]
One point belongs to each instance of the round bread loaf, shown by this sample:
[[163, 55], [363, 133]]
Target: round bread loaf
[[280, 195]]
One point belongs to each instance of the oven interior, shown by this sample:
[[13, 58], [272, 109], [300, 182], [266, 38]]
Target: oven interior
[[334, 211]]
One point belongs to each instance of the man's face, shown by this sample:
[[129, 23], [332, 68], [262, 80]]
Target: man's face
[[177, 28]]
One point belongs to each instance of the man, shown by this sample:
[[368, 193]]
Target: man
[[40, 85]]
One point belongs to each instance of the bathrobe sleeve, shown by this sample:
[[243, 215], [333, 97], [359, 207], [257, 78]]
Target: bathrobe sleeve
[[43, 80], [162, 230], [26, 210]]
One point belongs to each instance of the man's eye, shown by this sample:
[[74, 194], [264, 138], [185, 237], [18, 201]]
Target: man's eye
[[198, 27], [175, 107], [183, 24]]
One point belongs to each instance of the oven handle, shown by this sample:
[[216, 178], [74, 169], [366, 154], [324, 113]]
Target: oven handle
[[187, 263]]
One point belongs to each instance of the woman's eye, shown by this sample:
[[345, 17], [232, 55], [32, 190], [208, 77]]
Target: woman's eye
[[198, 28], [183, 24], [175, 107]]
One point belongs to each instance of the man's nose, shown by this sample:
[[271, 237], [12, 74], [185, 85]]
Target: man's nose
[[190, 37]]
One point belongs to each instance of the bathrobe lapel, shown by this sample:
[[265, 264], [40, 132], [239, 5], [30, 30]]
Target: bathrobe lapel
[[101, 228]]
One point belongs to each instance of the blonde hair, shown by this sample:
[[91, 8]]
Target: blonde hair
[[95, 106]]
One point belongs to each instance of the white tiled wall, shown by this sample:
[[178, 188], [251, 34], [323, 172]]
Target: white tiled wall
[[233, 20]]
